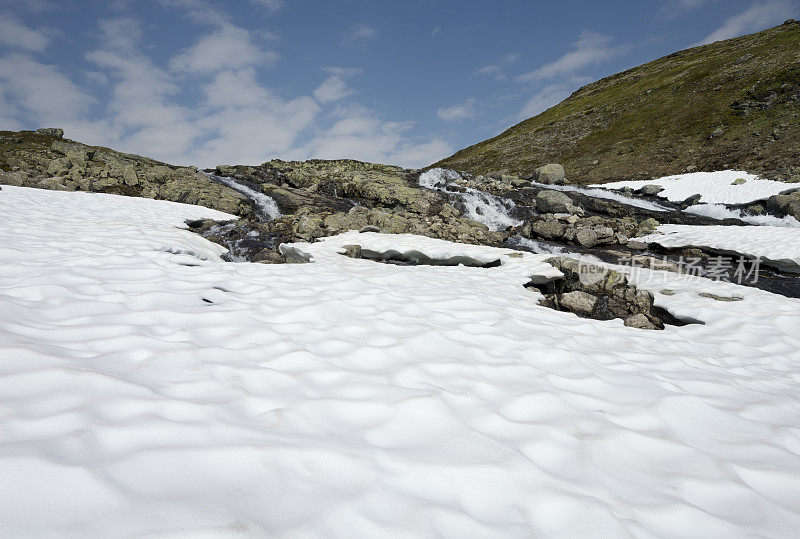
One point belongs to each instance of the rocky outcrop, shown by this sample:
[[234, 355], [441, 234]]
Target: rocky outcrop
[[43, 159], [323, 198], [594, 291]]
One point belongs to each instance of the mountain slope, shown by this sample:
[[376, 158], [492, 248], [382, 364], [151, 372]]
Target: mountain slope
[[730, 104]]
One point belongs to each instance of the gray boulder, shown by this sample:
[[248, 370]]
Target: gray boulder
[[785, 204], [651, 189], [578, 302], [586, 237], [639, 321], [552, 173], [548, 201]]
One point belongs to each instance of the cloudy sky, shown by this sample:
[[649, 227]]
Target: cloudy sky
[[205, 83]]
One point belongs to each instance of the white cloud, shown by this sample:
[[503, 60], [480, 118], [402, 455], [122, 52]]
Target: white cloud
[[497, 69], [358, 133], [359, 35], [549, 96], [41, 91], [236, 120], [229, 47], [15, 34], [335, 88], [590, 49], [673, 7], [271, 5], [757, 17], [199, 11], [458, 112], [332, 89]]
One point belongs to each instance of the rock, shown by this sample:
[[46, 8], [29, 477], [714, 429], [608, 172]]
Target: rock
[[718, 132], [586, 237], [51, 131], [648, 226], [578, 302], [548, 201], [651, 189], [738, 181], [549, 230], [692, 200], [352, 251], [719, 298], [744, 59], [667, 292], [369, 228], [691, 168], [549, 174], [785, 204], [637, 245], [497, 174], [639, 321]]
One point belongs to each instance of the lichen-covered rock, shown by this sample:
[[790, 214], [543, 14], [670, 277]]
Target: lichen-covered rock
[[552, 173], [548, 201]]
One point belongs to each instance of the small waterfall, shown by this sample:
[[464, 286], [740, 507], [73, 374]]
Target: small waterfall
[[266, 207], [488, 209]]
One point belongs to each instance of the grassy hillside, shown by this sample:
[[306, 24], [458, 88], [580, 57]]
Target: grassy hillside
[[733, 103]]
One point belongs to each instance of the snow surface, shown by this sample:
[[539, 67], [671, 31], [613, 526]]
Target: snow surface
[[483, 207], [604, 193], [777, 245], [720, 211], [349, 398], [715, 187]]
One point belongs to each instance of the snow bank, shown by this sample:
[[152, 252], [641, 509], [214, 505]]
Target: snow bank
[[776, 245], [715, 187], [720, 211], [140, 396]]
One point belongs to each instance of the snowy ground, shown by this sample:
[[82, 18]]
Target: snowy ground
[[778, 245], [716, 187], [348, 398]]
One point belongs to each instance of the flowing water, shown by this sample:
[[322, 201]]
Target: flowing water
[[485, 208], [266, 207]]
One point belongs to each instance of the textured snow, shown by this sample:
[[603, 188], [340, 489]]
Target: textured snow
[[350, 398], [720, 211], [715, 187], [604, 193], [778, 245]]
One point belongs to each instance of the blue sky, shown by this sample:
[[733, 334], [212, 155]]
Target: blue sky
[[206, 83]]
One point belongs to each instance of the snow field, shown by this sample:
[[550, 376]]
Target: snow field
[[716, 187], [351, 398], [780, 246]]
